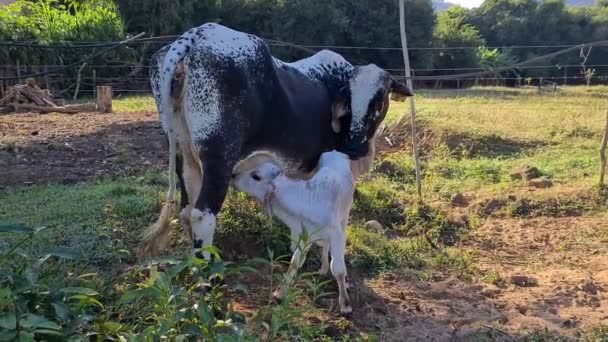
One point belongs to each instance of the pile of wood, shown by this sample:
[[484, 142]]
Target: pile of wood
[[29, 97]]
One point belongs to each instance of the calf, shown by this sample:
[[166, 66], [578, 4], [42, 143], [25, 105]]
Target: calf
[[222, 96], [318, 207]]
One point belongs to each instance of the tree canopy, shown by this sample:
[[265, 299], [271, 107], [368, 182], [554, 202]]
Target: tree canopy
[[453, 39]]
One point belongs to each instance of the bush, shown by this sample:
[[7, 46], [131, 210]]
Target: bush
[[55, 22]]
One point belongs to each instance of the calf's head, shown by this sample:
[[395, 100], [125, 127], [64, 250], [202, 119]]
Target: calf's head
[[258, 182], [362, 105]]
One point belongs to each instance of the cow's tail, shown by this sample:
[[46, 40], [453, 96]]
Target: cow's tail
[[156, 237]]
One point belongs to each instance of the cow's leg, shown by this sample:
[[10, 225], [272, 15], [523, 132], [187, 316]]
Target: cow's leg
[[297, 259], [179, 168], [217, 172], [337, 246], [192, 179], [324, 257]]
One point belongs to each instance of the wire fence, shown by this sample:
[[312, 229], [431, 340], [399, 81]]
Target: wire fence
[[130, 77]]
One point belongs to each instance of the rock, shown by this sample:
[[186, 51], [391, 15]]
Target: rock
[[458, 200], [492, 206], [374, 225], [525, 172], [589, 288], [387, 167], [540, 183], [522, 280]]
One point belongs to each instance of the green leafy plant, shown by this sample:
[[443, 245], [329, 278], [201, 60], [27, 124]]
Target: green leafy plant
[[186, 301], [33, 305]]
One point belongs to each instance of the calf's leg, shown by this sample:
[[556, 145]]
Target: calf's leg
[[324, 257], [337, 245]]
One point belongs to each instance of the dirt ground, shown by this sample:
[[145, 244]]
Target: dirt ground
[[542, 273], [67, 148]]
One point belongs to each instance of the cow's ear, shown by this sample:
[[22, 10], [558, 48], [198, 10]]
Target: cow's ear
[[399, 90], [339, 109]]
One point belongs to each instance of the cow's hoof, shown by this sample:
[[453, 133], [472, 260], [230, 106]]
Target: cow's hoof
[[203, 289], [346, 311], [277, 296]]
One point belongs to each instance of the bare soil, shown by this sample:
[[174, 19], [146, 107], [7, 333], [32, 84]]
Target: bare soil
[[64, 148], [564, 261]]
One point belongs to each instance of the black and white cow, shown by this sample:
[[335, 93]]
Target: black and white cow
[[222, 96]]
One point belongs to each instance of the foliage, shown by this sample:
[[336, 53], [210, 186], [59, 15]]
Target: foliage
[[452, 30], [336, 22], [174, 307], [55, 22], [33, 305]]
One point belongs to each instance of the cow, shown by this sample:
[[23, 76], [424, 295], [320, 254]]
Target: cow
[[222, 96], [317, 208]]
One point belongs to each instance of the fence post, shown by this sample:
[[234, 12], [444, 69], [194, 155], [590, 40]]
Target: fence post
[[94, 83], [603, 151], [104, 99], [406, 60]]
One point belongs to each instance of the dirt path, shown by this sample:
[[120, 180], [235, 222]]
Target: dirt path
[[42, 148]]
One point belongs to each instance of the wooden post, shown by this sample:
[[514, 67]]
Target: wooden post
[[47, 83], [406, 61], [603, 152], [104, 99], [94, 83]]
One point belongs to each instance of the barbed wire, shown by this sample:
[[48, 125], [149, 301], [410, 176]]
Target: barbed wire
[[484, 72], [99, 53], [137, 66], [272, 42]]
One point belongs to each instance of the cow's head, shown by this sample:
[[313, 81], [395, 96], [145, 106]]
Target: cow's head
[[362, 105]]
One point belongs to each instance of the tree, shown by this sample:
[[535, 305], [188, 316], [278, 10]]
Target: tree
[[452, 30]]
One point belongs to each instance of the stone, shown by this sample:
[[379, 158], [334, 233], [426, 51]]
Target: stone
[[522, 280], [589, 288], [374, 225], [540, 183], [458, 200], [525, 172]]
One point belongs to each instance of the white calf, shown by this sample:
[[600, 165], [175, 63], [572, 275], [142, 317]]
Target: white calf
[[320, 206]]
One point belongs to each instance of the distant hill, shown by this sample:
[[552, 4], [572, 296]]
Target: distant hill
[[441, 5]]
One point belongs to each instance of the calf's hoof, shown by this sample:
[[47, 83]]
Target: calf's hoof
[[323, 271]]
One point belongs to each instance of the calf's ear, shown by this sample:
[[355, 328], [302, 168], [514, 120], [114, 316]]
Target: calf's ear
[[339, 109], [399, 90]]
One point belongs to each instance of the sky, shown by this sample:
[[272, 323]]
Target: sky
[[466, 3]]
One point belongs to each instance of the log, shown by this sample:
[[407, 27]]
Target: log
[[104, 99], [69, 109]]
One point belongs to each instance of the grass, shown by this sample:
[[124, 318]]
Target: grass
[[470, 143]]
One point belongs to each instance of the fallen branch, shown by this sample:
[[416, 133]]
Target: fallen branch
[[68, 109]]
